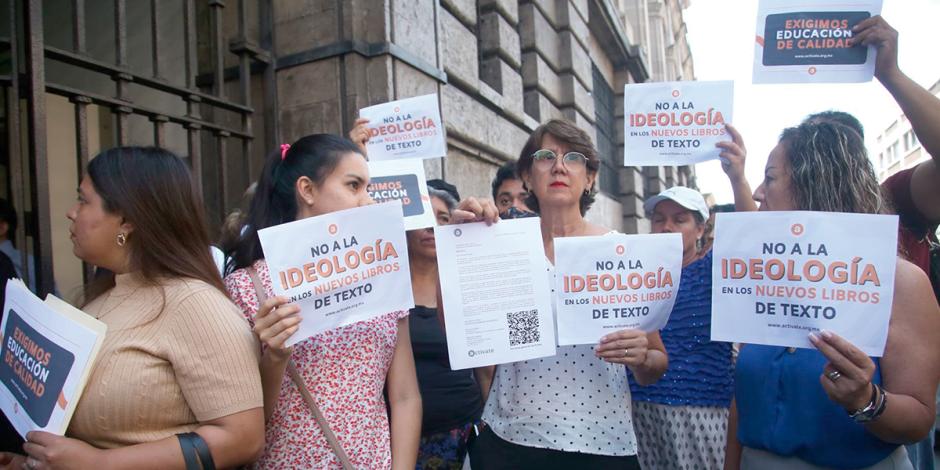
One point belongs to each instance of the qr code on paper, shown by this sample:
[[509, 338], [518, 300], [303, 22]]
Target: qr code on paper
[[523, 327]]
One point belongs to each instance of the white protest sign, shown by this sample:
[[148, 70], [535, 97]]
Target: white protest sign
[[403, 180], [675, 123], [807, 42], [496, 292], [47, 353], [408, 128], [778, 276], [614, 282], [342, 267]]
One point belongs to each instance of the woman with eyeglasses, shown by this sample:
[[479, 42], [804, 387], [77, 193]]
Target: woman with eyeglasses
[[572, 410]]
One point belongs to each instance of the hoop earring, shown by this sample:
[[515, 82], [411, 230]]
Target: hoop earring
[[121, 239]]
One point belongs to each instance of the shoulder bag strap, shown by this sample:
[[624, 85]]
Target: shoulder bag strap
[[319, 418], [304, 392]]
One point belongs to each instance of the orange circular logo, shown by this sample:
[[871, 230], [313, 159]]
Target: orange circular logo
[[675, 93], [333, 228], [812, 70], [397, 109], [797, 229], [620, 249]]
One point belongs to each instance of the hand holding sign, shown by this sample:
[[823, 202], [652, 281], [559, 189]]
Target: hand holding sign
[[9, 460], [732, 154], [627, 347], [847, 376], [475, 210], [360, 134], [875, 31], [46, 450], [275, 322]]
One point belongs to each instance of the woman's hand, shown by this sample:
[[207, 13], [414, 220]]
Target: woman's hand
[[49, 451], [475, 210], [360, 134], [875, 31], [732, 156], [11, 461], [628, 347], [846, 378], [275, 322]]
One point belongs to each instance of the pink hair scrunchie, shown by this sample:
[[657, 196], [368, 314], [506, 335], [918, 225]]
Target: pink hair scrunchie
[[284, 149]]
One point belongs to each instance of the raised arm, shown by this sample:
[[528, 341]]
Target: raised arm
[[920, 106], [733, 154], [360, 134]]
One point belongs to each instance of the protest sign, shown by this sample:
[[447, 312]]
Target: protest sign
[[803, 272], [342, 267], [409, 128], [803, 42], [403, 180], [675, 123], [496, 292], [612, 282], [48, 350]]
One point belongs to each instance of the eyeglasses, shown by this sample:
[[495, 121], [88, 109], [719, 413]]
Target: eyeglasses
[[546, 158]]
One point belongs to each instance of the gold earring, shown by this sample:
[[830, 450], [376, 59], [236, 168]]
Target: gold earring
[[121, 239]]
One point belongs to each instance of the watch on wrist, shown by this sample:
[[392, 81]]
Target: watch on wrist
[[873, 409]]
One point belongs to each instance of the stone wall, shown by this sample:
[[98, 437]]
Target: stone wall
[[500, 68]]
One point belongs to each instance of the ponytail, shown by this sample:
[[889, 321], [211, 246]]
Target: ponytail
[[275, 202]]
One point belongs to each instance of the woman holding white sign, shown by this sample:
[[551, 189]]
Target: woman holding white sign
[[345, 370], [572, 410], [833, 406], [176, 368]]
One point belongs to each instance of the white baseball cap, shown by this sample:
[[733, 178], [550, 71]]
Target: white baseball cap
[[685, 197]]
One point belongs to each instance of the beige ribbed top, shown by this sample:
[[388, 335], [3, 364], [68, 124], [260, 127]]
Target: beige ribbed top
[[175, 355]]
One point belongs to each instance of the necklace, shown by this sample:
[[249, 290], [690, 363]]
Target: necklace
[[104, 310]]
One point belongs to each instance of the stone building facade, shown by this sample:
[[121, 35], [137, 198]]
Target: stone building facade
[[223, 82], [500, 67]]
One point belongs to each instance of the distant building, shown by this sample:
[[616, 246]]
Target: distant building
[[898, 147]]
